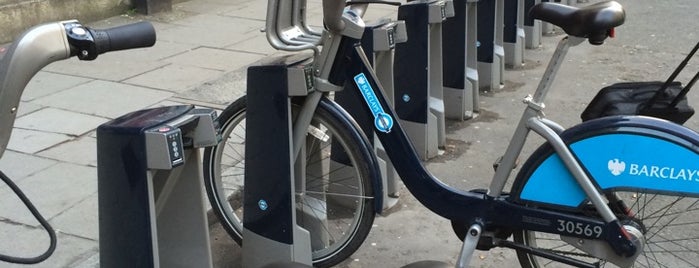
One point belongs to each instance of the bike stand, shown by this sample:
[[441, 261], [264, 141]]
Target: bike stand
[[513, 33], [378, 42], [150, 189], [532, 27], [460, 65], [418, 74], [491, 64], [270, 232], [291, 23]]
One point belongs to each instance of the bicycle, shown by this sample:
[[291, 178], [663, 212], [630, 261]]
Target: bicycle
[[590, 195], [33, 50]]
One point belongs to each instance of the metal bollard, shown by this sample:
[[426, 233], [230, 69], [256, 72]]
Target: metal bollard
[[491, 64], [418, 74], [513, 33], [532, 27], [460, 65]]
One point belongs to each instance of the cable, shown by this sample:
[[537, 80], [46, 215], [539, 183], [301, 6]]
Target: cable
[[38, 217]]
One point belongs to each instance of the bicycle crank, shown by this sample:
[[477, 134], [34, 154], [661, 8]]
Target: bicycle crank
[[601, 249]]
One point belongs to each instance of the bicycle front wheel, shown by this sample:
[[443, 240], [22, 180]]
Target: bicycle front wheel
[[337, 204]]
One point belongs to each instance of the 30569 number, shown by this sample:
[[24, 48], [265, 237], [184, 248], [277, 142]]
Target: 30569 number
[[579, 228]]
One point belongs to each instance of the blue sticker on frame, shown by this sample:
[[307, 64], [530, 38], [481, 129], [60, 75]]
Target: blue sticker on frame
[[382, 121]]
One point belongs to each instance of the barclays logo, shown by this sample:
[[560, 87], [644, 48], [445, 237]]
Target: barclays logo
[[382, 121], [618, 167]]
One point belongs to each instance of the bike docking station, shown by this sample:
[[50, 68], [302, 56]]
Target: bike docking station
[[513, 33], [491, 62], [460, 65], [378, 42], [152, 210], [271, 174], [419, 102], [532, 27]]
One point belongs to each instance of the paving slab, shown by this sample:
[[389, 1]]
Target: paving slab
[[46, 83], [15, 165], [81, 151], [27, 107], [175, 78], [223, 90], [122, 67], [254, 42], [197, 36], [208, 7], [214, 58], [80, 220], [52, 190], [29, 242], [251, 10], [32, 141], [59, 121], [161, 50], [104, 98]]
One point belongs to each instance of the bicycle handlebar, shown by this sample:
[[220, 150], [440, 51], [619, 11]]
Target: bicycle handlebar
[[136, 35], [91, 42], [332, 15], [47, 43]]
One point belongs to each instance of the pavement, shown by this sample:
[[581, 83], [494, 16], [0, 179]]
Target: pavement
[[202, 50]]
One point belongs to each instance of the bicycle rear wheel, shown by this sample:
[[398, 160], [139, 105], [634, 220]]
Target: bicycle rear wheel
[[337, 204], [666, 221], [668, 224]]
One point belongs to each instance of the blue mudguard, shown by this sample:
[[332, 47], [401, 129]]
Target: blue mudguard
[[618, 153]]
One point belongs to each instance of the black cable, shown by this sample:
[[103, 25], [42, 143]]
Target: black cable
[[38, 217]]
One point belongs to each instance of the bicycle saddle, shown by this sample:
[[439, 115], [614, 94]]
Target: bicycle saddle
[[592, 22]]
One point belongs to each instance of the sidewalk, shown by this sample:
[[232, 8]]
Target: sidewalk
[[200, 57]]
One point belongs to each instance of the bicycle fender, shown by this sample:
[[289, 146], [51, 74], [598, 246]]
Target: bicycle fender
[[633, 153], [351, 126]]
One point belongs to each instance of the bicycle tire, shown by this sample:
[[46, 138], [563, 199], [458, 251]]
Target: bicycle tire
[[664, 219], [328, 249]]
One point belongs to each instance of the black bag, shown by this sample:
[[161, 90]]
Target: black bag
[[667, 100], [632, 99]]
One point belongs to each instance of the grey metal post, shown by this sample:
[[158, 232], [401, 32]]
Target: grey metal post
[[418, 72], [472, 52], [271, 233], [151, 194], [491, 53], [460, 62], [384, 39], [532, 27], [514, 32]]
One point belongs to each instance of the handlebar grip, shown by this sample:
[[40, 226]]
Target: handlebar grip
[[136, 35]]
